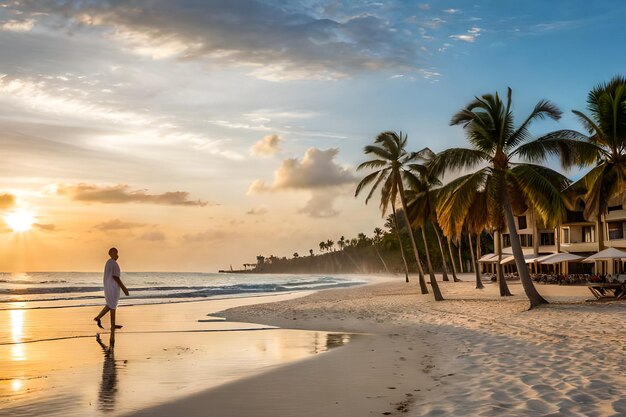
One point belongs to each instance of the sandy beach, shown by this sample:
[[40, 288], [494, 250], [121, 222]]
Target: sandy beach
[[397, 353], [472, 355]]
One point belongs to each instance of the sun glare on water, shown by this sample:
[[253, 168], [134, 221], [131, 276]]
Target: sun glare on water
[[19, 221]]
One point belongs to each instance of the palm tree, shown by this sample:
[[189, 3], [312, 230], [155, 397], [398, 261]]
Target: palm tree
[[392, 159], [508, 185], [606, 142], [423, 196], [341, 243]]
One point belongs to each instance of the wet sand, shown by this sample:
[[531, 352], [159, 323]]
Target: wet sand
[[51, 363], [475, 354]]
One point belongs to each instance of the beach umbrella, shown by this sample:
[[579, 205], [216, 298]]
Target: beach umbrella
[[609, 254], [555, 258], [529, 259], [488, 258]]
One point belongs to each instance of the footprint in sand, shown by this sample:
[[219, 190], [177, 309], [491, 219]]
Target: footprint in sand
[[620, 406]]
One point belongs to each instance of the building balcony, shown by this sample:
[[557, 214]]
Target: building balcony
[[615, 243], [616, 215], [574, 247], [547, 249]]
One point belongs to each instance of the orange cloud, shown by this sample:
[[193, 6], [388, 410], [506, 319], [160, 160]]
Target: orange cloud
[[122, 194], [7, 200]]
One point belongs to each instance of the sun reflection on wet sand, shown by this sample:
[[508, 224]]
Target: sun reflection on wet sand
[[17, 334], [50, 364], [16, 384]]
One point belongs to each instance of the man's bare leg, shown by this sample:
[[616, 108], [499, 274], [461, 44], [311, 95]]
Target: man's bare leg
[[105, 310], [113, 325]]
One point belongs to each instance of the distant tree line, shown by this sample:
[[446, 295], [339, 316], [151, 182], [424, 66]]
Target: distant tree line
[[377, 253]]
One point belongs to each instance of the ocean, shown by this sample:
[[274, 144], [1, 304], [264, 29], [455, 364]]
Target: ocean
[[74, 289]]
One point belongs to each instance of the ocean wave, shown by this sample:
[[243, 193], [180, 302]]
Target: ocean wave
[[154, 292], [27, 282]]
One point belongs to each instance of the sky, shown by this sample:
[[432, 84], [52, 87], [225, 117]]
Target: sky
[[196, 135]]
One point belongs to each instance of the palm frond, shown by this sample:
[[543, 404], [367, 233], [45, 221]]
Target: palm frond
[[543, 109], [569, 146], [380, 152], [455, 159], [455, 198], [374, 163], [542, 188]]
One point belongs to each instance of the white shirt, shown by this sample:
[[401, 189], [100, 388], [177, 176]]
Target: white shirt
[[111, 288]]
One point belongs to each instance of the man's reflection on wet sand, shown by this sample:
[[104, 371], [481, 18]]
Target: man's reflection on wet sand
[[108, 386]]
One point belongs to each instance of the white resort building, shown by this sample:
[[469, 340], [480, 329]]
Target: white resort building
[[575, 236]]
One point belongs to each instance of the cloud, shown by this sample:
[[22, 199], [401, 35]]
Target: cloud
[[123, 194], [18, 25], [317, 169], [154, 236], [452, 11], [7, 200], [278, 42], [470, 36], [211, 235], [257, 211], [267, 146], [45, 227], [318, 173], [117, 224], [320, 205]]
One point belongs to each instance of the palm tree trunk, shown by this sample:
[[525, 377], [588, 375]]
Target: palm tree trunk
[[478, 255], [456, 279], [479, 282], [529, 288], [600, 233], [460, 257], [502, 285], [422, 281], [433, 280], [395, 219], [443, 256], [381, 258], [535, 236]]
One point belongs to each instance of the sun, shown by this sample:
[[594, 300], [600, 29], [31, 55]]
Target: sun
[[20, 221]]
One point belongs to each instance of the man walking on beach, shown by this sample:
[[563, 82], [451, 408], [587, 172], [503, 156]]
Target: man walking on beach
[[112, 286]]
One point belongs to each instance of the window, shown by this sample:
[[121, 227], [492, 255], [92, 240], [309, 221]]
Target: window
[[575, 217], [616, 230], [546, 239], [565, 235], [506, 240], [521, 222], [589, 234], [614, 208]]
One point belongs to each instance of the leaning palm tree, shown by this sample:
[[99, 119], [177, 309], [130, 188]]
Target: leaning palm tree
[[391, 161], [453, 222], [606, 125], [496, 147], [422, 192]]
